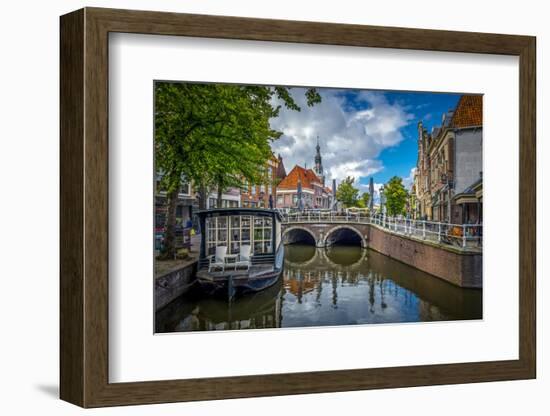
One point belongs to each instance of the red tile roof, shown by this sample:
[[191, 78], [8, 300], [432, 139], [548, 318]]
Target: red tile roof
[[469, 111], [307, 176]]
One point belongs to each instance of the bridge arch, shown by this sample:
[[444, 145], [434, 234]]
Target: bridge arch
[[339, 228], [306, 235]]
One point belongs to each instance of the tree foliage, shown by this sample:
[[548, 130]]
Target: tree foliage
[[395, 196], [363, 201], [346, 193], [215, 135]]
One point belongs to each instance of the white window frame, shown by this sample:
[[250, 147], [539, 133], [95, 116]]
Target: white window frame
[[265, 228]]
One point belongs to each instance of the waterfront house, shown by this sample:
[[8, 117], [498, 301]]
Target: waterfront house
[[422, 183], [185, 208], [305, 188], [258, 195], [231, 198], [447, 183], [305, 184]]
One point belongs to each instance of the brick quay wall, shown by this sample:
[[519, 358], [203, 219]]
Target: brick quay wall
[[174, 283], [455, 265]]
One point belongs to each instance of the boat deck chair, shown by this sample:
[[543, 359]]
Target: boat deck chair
[[244, 259], [217, 260]]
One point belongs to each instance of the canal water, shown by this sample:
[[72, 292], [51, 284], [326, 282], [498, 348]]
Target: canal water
[[342, 285]]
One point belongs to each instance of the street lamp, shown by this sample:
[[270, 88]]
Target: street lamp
[[447, 180]]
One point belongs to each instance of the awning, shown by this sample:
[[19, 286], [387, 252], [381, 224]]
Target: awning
[[465, 199]]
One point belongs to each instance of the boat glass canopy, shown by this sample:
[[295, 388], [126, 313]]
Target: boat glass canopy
[[234, 228]]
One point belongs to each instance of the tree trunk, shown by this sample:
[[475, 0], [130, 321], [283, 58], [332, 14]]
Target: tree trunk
[[203, 197], [169, 249], [220, 199]]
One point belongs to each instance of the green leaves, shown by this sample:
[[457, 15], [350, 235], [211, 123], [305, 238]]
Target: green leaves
[[396, 196], [313, 97], [363, 201], [216, 134], [346, 193]]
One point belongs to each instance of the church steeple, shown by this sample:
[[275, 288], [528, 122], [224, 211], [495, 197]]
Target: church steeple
[[319, 163]]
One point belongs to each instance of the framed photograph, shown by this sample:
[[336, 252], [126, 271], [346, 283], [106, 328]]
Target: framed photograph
[[255, 207]]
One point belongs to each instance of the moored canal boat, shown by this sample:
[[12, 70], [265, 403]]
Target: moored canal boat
[[241, 250]]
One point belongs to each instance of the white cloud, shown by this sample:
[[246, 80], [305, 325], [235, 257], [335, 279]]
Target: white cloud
[[355, 169], [408, 181], [351, 140]]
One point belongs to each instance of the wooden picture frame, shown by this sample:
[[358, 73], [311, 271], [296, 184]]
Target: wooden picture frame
[[84, 207]]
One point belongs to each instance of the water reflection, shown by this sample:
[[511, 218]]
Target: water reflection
[[337, 286]]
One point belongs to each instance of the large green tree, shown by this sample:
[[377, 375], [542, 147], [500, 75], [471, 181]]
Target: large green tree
[[214, 135], [346, 193], [395, 196]]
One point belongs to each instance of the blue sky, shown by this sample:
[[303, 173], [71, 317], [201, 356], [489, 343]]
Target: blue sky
[[362, 133], [426, 107]]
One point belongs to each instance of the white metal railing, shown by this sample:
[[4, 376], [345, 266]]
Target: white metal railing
[[460, 235]]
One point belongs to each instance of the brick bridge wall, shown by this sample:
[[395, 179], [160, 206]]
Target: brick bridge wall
[[462, 268]]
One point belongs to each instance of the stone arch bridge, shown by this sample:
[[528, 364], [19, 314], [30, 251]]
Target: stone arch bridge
[[325, 234], [420, 244]]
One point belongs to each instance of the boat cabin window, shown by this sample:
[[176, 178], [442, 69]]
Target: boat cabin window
[[234, 231]]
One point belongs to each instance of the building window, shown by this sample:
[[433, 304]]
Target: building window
[[253, 190], [263, 229], [185, 188], [216, 233], [262, 188], [279, 200]]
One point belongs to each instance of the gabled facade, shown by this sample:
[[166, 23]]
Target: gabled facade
[[257, 196], [305, 188], [450, 164], [422, 180], [305, 182]]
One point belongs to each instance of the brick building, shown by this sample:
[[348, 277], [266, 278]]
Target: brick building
[[311, 183], [257, 196], [448, 185]]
